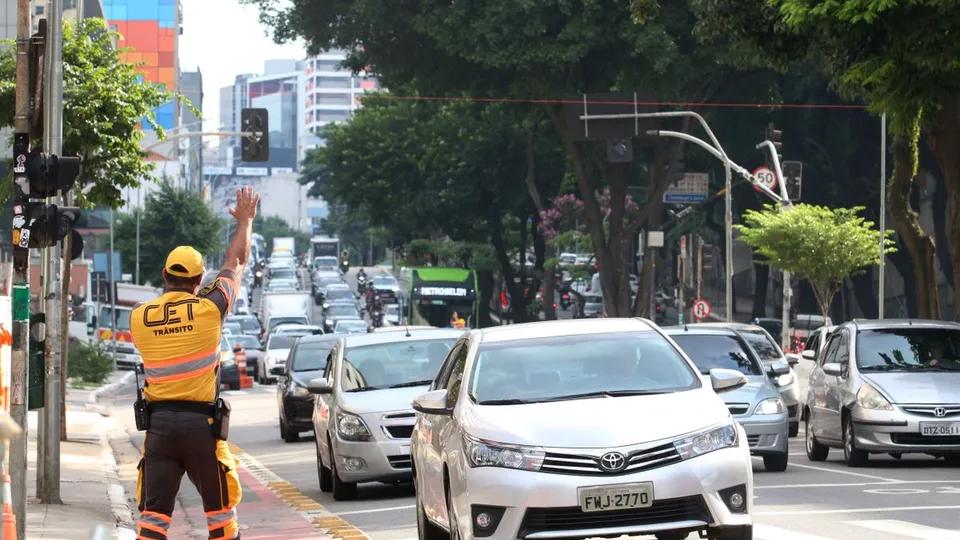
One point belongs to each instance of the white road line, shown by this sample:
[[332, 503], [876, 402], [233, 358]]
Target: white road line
[[854, 510], [857, 484], [374, 510], [766, 532], [837, 471], [905, 528]]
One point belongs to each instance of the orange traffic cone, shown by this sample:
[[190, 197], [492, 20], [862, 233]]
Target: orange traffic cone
[[240, 357], [9, 519]]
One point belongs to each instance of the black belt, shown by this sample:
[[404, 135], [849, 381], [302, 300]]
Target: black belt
[[199, 407]]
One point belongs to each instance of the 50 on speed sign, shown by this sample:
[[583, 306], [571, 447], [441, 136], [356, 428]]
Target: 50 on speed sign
[[767, 178], [701, 309]]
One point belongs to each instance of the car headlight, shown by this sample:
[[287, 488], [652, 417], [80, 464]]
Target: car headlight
[[300, 391], [770, 406], [350, 427], [869, 397], [707, 441], [784, 380], [485, 454]]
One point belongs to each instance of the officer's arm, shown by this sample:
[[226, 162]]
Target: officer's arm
[[222, 292], [238, 253]]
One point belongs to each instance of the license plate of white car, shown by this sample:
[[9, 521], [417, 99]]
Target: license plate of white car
[[940, 429], [619, 497]]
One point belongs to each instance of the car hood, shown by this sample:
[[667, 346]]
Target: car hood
[[277, 353], [934, 387], [378, 401], [303, 378], [596, 423], [758, 387]]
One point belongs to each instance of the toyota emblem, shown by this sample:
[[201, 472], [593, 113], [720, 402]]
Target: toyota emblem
[[940, 412], [613, 462]]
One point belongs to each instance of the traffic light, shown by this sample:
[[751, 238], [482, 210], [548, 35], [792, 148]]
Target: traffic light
[[792, 179], [255, 147], [770, 133], [51, 174], [37, 224]]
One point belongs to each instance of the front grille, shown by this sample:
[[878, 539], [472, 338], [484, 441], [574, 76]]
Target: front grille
[[572, 518], [738, 409], [400, 462], [753, 440], [394, 416], [946, 411], [639, 460], [399, 432], [915, 439]]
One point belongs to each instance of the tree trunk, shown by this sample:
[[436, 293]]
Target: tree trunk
[[518, 308], [901, 260], [760, 285], [921, 246], [945, 144]]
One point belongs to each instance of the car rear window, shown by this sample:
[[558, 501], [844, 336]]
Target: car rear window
[[717, 352]]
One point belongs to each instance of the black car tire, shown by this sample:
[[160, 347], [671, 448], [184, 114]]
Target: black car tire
[[853, 456], [288, 435], [451, 517], [816, 451], [342, 491], [234, 385], [794, 429], [776, 462], [324, 475]]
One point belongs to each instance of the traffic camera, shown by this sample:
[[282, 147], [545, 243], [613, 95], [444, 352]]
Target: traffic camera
[[770, 133]]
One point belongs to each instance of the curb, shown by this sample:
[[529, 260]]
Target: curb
[[312, 511]]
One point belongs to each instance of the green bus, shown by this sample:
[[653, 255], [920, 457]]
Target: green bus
[[435, 293]]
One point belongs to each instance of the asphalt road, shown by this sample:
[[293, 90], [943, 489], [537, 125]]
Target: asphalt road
[[914, 498]]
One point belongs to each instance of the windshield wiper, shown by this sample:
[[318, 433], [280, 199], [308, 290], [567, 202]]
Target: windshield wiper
[[411, 383], [605, 393], [505, 402], [364, 389]]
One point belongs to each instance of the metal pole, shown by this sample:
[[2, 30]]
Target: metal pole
[[881, 293], [21, 279], [49, 491], [136, 278], [785, 319], [113, 294]]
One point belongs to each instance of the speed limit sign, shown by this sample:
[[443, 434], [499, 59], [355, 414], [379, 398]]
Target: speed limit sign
[[767, 178], [701, 309]]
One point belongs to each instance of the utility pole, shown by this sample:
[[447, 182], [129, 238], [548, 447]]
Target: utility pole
[[136, 271]]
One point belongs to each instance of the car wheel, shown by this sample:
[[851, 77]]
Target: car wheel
[[794, 429], [289, 435], [235, 385], [776, 462], [452, 516], [283, 429], [425, 529], [256, 376], [323, 473], [342, 491], [853, 456], [731, 533], [815, 450]]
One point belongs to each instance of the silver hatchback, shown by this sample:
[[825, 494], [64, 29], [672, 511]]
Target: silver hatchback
[[363, 418], [757, 406]]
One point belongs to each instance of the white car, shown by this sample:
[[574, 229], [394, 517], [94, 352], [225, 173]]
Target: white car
[[275, 354], [578, 429]]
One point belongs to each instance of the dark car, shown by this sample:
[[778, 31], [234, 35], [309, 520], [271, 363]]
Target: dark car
[[337, 312], [229, 372], [252, 349], [306, 361], [249, 324]]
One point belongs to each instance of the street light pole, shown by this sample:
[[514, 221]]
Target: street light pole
[[136, 271], [787, 286], [881, 293]]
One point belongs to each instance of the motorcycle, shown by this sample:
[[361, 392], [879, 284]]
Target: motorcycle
[[378, 319], [344, 267], [258, 279], [565, 300], [361, 284]]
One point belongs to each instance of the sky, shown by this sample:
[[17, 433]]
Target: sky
[[225, 39]]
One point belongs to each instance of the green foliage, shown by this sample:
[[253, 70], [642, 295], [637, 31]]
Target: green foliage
[[171, 218], [90, 362], [476, 256], [816, 243], [104, 104], [275, 227]]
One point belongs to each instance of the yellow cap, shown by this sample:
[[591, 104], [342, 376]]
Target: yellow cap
[[185, 262]]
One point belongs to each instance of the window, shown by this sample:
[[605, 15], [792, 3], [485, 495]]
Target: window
[[333, 82], [333, 99], [766, 349], [311, 356], [329, 65], [843, 349], [456, 376], [39, 10], [909, 349], [122, 322], [332, 116], [392, 365], [443, 375], [717, 351], [280, 342], [831, 350]]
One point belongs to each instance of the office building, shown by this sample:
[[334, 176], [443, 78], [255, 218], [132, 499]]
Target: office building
[[333, 92], [191, 148]]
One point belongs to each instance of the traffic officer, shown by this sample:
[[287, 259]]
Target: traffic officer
[[178, 335]]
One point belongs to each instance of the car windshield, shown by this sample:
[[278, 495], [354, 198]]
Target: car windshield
[[340, 310], [384, 280], [277, 286], [909, 349], [394, 364], [123, 318], [249, 324], [277, 321], [248, 342], [578, 366], [326, 261], [593, 299], [233, 327], [717, 351], [312, 356], [339, 294], [393, 309], [766, 349], [278, 342], [351, 325], [808, 322]]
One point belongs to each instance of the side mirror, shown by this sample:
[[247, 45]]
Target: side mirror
[[726, 380], [793, 359], [93, 321], [778, 368], [279, 371], [432, 403], [319, 386], [833, 368], [809, 354]]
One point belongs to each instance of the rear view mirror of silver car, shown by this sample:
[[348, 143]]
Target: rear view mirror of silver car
[[793, 359], [833, 369], [726, 380], [432, 403], [319, 386], [779, 368], [809, 354]]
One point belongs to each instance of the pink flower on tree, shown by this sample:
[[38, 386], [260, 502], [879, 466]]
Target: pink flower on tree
[[567, 212]]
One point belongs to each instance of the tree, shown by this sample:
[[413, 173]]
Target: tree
[[816, 243], [539, 51], [171, 217], [276, 227], [895, 55], [105, 102]]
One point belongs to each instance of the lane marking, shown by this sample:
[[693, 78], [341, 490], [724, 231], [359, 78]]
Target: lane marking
[[854, 510], [858, 484], [767, 532], [838, 471], [375, 510], [905, 528]]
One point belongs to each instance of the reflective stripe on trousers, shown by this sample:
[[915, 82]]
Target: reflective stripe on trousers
[[153, 525]]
